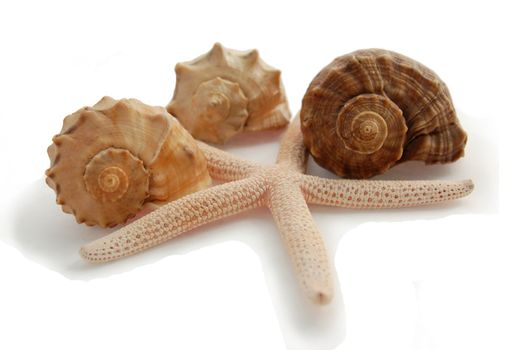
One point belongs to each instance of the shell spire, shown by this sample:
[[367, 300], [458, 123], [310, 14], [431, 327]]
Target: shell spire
[[225, 91], [111, 159]]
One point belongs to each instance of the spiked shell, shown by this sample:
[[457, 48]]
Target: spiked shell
[[372, 109], [224, 92], [111, 159]]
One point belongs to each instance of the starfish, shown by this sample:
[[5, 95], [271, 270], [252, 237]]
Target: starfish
[[286, 190]]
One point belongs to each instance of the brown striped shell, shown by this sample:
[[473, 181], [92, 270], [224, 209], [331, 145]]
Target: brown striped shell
[[111, 159], [372, 109], [224, 92]]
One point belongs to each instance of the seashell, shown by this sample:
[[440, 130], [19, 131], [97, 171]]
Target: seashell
[[372, 109], [111, 159], [224, 92]]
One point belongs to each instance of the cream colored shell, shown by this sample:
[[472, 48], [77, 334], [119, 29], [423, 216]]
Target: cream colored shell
[[224, 92], [111, 159], [372, 109]]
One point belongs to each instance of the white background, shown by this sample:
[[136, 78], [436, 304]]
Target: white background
[[445, 277]]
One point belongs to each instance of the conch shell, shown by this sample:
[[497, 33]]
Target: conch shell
[[111, 159], [224, 92], [372, 109]]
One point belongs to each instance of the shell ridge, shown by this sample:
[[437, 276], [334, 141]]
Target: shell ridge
[[266, 105], [96, 163], [162, 139], [401, 71], [426, 124]]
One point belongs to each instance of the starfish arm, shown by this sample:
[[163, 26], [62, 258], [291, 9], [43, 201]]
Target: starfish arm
[[303, 241], [292, 152], [224, 166], [177, 217], [381, 194]]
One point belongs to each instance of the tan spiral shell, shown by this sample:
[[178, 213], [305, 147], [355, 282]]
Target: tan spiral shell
[[111, 159], [224, 92], [371, 109]]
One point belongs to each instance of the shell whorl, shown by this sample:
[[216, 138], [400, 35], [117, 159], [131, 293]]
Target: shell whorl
[[112, 158], [372, 109], [224, 92], [221, 107], [111, 173]]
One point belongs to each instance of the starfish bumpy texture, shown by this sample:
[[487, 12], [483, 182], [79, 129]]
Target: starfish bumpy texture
[[286, 190]]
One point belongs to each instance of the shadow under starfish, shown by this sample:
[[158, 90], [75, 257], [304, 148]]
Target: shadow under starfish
[[285, 190]]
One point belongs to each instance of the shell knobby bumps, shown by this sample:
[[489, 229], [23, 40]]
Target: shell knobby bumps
[[224, 92], [372, 109], [111, 159]]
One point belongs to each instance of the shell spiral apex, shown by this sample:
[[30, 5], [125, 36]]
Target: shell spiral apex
[[372, 109], [111, 159], [224, 92]]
